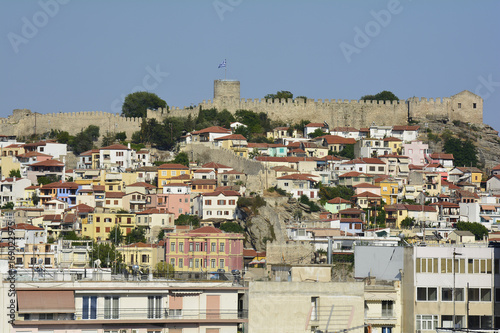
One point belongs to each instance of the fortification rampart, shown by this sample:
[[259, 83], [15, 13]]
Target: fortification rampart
[[24, 122], [464, 106]]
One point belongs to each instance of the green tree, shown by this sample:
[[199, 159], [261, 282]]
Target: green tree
[[15, 173], [107, 255], [225, 118], [108, 139], [181, 158], [347, 152], [381, 96], [136, 235], [161, 235], [317, 132], [280, 95], [137, 103], [232, 227], [478, 229], [44, 180], [35, 198], [116, 235], [408, 222], [327, 193], [302, 97], [121, 136], [8, 206], [69, 235], [164, 269], [185, 219], [464, 152]]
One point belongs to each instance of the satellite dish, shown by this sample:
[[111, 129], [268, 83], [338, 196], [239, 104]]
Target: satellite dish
[[135, 267], [40, 261]]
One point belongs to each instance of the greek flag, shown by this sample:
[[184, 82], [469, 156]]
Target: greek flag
[[223, 64]]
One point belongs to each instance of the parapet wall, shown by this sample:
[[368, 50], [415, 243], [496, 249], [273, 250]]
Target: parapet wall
[[24, 122], [465, 106]]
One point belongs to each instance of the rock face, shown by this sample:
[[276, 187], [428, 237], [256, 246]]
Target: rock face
[[270, 221], [484, 137]]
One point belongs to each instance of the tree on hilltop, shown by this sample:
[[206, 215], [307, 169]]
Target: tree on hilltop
[[137, 103], [381, 96], [280, 94]]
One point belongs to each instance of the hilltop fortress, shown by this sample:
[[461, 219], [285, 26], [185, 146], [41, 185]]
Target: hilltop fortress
[[464, 106]]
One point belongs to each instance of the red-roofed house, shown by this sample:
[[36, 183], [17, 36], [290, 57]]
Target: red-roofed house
[[219, 204], [154, 220], [311, 127], [368, 165], [208, 134], [24, 233], [368, 200], [298, 185], [175, 198], [45, 168], [235, 142], [406, 133], [334, 143], [116, 157], [446, 160], [205, 249], [337, 204], [168, 171]]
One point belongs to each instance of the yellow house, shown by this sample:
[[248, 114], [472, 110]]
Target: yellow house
[[27, 200], [8, 163], [141, 254], [168, 171], [394, 214], [99, 224], [395, 144], [389, 190], [235, 142]]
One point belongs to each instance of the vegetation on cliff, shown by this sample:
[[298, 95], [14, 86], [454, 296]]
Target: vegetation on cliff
[[137, 103]]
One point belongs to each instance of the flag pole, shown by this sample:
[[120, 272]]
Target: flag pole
[[225, 69]]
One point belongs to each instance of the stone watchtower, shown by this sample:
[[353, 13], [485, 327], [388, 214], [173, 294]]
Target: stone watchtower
[[226, 89]]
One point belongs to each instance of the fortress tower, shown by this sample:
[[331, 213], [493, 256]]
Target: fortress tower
[[229, 89]]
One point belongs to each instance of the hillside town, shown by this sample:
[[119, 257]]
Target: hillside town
[[342, 228]]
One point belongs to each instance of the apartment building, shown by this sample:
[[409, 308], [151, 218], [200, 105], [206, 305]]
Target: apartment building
[[126, 307]]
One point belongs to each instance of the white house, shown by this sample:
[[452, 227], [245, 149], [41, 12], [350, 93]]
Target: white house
[[218, 204], [12, 189], [406, 133], [24, 234], [298, 185], [115, 157], [311, 127]]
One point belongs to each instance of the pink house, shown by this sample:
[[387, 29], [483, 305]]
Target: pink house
[[205, 249], [416, 152], [175, 198]]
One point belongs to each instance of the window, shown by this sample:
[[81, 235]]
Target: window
[[447, 321], [426, 294], [372, 168], [154, 307], [46, 316], [479, 295], [111, 307], [191, 246], [197, 246], [145, 258], [426, 322], [387, 308], [172, 262], [381, 168], [314, 305], [427, 265], [181, 264], [89, 307], [221, 263], [208, 202], [474, 105], [480, 322], [285, 184], [214, 247], [196, 263], [47, 261], [172, 247], [459, 105], [221, 247], [191, 263], [181, 247], [212, 263]]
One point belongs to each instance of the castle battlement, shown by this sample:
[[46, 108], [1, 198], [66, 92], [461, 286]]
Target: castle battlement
[[464, 106]]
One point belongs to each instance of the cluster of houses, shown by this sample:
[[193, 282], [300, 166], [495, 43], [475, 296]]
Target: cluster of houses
[[399, 226]]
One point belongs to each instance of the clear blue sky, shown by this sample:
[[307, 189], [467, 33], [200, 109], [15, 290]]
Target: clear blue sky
[[87, 55]]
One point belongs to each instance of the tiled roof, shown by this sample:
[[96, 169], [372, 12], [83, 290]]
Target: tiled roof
[[337, 140], [338, 200], [207, 230], [367, 194], [173, 166], [441, 156], [405, 128], [366, 185], [23, 226], [116, 195], [212, 129], [224, 193], [116, 147], [214, 165], [48, 163], [141, 184], [231, 137], [298, 176]]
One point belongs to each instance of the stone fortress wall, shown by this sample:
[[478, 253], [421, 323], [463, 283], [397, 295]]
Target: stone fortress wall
[[464, 106], [338, 112], [23, 122]]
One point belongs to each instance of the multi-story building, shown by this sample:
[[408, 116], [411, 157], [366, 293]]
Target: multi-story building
[[218, 204], [116, 157], [204, 249], [167, 171], [416, 152], [12, 189], [121, 306], [298, 185], [175, 198], [89, 159], [100, 223]]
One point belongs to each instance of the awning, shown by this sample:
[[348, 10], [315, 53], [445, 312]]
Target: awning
[[46, 301], [488, 207], [179, 293], [486, 218], [384, 296], [404, 168]]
